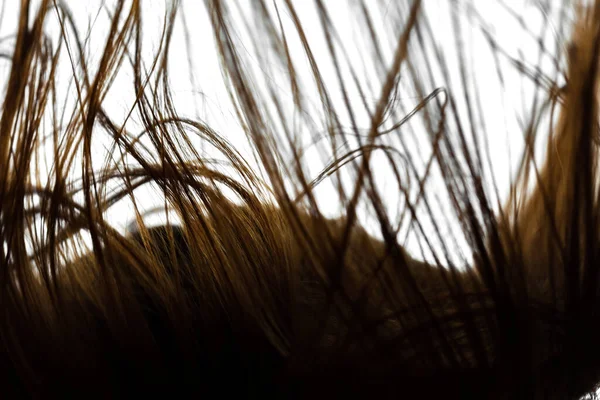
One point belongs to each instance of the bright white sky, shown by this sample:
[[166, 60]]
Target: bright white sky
[[208, 100]]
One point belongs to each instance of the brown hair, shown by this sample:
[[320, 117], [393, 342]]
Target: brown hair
[[255, 291]]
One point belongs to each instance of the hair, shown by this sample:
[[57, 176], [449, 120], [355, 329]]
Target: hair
[[249, 287]]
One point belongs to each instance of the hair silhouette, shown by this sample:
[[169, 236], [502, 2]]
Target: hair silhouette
[[254, 290]]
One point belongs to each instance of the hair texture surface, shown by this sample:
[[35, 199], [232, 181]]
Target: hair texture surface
[[249, 287]]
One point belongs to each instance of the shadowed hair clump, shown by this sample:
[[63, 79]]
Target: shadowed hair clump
[[249, 287]]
